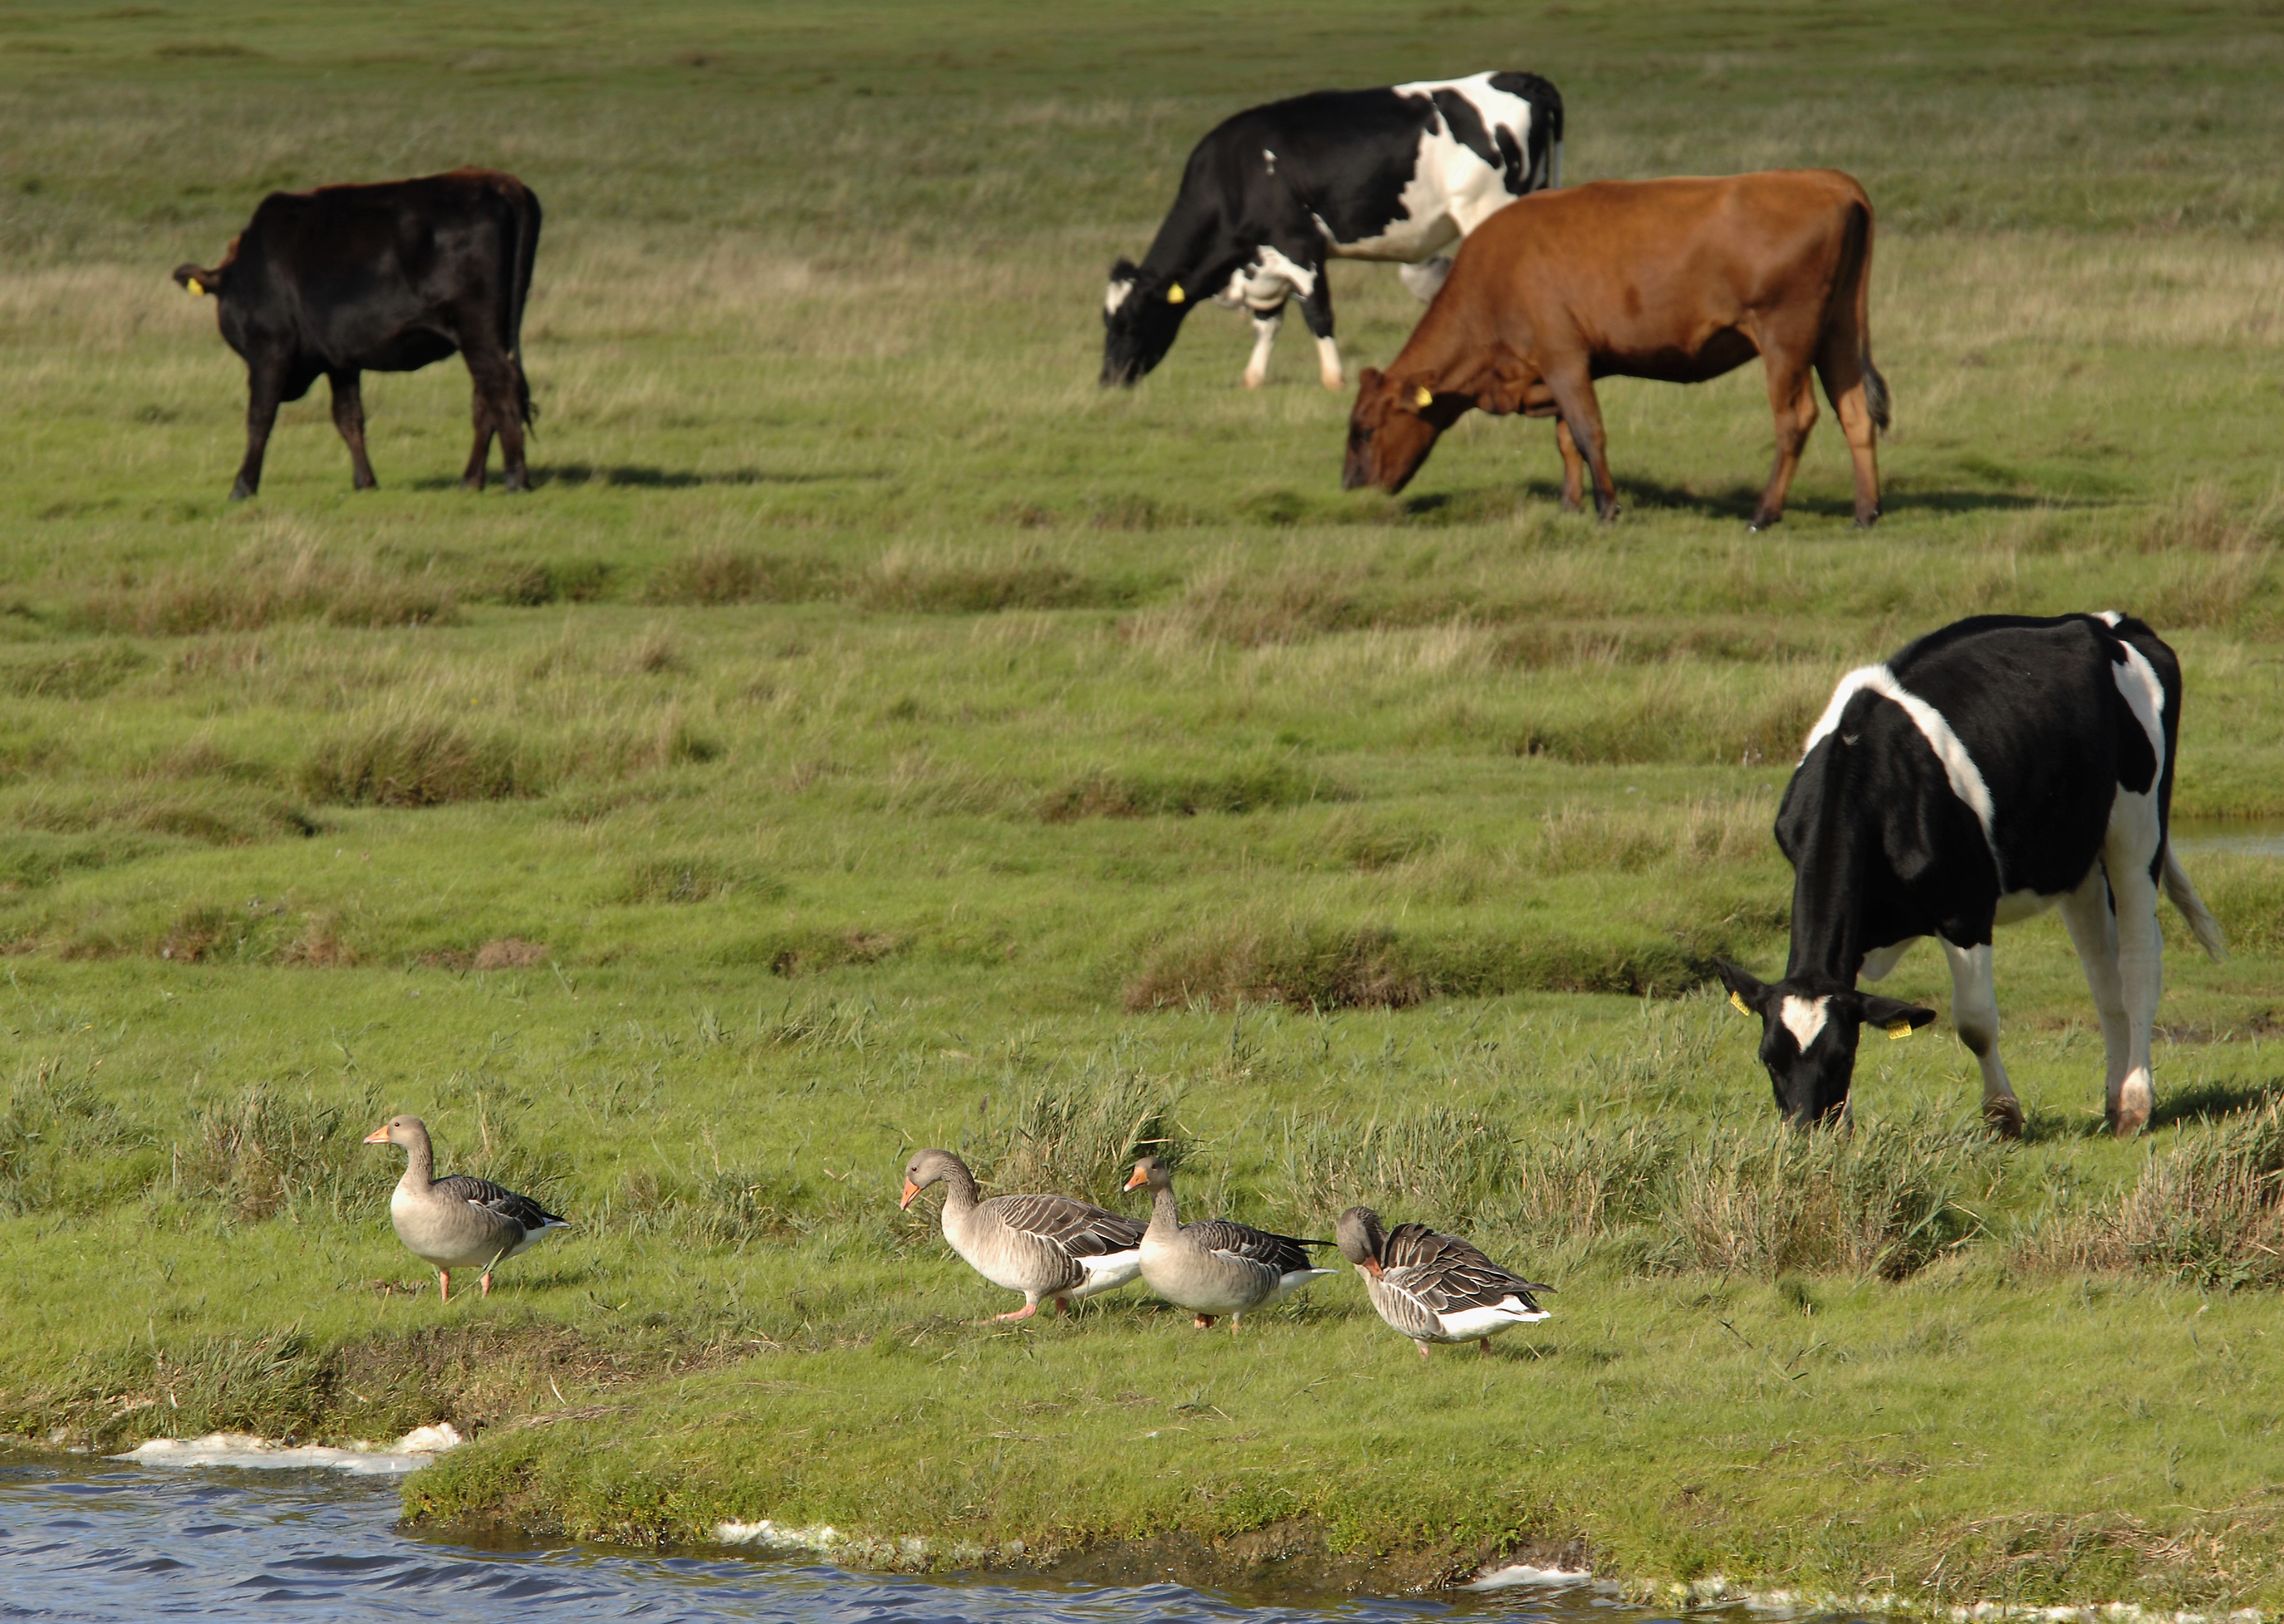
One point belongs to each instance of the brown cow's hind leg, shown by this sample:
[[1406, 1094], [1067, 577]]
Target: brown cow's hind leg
[[348, 417], [264, 392], [1843, 386], [1792, 397], [1574, 468]]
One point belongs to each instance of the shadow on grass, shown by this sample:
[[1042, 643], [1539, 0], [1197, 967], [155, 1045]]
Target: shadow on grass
[[646, 476], [1737, 502], [2212, 1100]]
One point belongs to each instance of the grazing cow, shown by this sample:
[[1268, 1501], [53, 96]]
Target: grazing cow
[[383, 278], [1992, 770], [1392, 174], [1676, 279]]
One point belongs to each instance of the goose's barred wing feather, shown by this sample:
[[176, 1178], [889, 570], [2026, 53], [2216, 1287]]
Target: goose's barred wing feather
[[1079, 1228], [1287, 1253], [1447, 1273], [499, 1197]]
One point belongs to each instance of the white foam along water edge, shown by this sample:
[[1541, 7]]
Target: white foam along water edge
[[1715, 1590], [409, 1453]]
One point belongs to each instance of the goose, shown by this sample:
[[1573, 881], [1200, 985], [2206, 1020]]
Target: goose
[[1432, 1287], [458, 1221], [1052, 1249], [1215, 1267]]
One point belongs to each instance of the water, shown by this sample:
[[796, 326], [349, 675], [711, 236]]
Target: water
[[101, 1540], [2249, 838]]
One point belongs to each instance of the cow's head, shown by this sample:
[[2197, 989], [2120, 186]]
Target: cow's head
[[1809, 1027], [1142, 310], [1393, 427]]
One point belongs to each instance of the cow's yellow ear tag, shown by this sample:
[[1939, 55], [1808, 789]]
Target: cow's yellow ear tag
[[1423, 396], [1174, 294], [1737, 999], [1897, 1031], [197, 288]]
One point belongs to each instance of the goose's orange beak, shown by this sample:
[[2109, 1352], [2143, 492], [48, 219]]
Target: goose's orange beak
[[911, 1190], [1138, 1179], [379, 1136], [1370, 1265]]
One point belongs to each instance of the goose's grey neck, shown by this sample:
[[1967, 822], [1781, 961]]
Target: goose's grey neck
[[1164, 1222], [420, 1163], [959, 1195]]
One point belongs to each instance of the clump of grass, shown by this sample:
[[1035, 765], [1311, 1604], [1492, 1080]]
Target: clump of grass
[[265, 585], [2204, 521], [716, 575], [726, 1207], [1081, 1137], [1156, 794], [1886, 1199], [690, 879], [1324, 966], [1451, 1163], [80, 673], [2209, 1213], [59, 1137], [813, 950], [901, 582], [530, 583], [1250, 611], [411, 760], [265, 1152]]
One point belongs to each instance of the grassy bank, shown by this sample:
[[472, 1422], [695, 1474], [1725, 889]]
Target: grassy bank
[[870, 734]]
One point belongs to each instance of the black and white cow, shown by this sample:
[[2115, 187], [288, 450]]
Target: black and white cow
[[1992, 769], [1393, 174]]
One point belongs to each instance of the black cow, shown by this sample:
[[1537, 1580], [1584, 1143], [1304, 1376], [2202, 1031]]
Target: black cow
[[383, 278], [1992, 770], [1392, 174]]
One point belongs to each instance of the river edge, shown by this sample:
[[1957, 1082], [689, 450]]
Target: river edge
[[1286, 1564]]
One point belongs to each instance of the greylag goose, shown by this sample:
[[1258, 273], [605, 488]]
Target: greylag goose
[[458, 1221], [1215, 1267], [1051, 1248], [1435, 1288]]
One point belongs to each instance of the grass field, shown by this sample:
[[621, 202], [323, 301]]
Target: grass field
[[872, 734]]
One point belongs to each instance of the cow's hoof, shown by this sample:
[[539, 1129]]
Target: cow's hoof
[[474, 482], [516, 482], [1762, 521], [1608, 515], [1333, 381], [2004, 1116], [240, 491], [1864, 521], [1254, 381]]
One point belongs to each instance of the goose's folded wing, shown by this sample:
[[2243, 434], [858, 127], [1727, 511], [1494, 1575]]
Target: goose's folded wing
[[1447, 1273], [499, 1198], [1283, 1252], [1079, 1228]]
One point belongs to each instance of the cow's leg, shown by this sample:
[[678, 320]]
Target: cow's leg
[[2093, 932], [1317, 310], [1841, 367], [265, 388], [1792, 398], [1573, 387], [2140, 963], [493, 377], [1265, 323], [1975, 1016], [348, 417], [1574, 467]]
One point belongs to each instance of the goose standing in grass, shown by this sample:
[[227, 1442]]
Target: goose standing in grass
[[458, 1222], [1052, 1249], [1435, 1288], [1215, 1267]]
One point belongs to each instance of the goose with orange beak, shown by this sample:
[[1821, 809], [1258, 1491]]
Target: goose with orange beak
[[1215, 1267], [1435, 1288], [458, 1222], [1052, 1249]]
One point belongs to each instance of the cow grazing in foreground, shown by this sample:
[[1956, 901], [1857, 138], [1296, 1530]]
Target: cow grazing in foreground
[[382, 278], [1675, 279], [1269, 195], [1995, 768]]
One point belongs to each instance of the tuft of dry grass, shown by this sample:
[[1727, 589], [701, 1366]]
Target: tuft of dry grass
[[716, 575], [1143, 793], [412, 760], [1082, 1137], [266, 584], [265, 1152]]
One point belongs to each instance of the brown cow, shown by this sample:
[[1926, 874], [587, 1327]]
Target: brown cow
[[1677, 280]]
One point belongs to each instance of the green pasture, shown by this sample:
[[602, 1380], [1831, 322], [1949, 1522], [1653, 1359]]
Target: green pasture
[[870, 734]]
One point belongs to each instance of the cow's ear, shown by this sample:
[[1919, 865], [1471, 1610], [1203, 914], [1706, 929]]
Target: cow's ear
[[1124, 270], [1368, 381], [1893, 1016], [196, 278], [1751, 996]]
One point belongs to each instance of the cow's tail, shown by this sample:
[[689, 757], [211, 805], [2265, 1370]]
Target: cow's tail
[[2201, 923], [523, 208], [1855, 284]]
